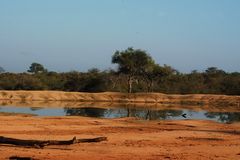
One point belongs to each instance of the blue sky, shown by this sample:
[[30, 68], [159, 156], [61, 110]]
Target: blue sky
[[66, 35]]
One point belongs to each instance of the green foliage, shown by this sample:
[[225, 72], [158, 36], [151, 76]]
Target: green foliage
[[156, 72], [133, 63], [22, 81], [146, 76], [95, 81], [51, 80], [92, 81], [231, 84], [36, 68]]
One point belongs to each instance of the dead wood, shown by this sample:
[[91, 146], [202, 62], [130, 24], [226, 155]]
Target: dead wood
[[41, 144], [20, 158]]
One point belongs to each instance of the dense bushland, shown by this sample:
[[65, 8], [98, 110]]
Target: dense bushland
[[136, 72], [214, 82]]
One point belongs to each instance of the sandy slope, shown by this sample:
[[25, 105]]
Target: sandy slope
[[120, 97], [127, 138]]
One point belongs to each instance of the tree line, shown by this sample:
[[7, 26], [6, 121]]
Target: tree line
[[136, 72]]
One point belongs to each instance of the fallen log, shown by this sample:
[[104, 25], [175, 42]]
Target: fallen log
[[41, 144], [20, 158]]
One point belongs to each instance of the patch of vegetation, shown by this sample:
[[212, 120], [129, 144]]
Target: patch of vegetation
[[136, 72]]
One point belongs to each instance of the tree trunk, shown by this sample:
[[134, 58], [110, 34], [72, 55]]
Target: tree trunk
[[150, 86], [130, 81]]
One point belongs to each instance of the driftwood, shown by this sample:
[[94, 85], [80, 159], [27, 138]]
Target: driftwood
[[20, 158], [41, 144]]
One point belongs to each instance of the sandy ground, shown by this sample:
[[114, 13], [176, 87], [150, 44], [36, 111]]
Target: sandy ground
[[128, 138]]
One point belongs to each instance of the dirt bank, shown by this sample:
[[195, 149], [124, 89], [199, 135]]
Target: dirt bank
[[192, 99], [127, 138], [107, 105]]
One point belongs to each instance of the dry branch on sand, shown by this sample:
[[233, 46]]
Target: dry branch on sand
[[41, 144]]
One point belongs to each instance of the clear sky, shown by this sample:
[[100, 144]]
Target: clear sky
[[66, 35]]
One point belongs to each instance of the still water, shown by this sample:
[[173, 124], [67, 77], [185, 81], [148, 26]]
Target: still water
[[141, 113]]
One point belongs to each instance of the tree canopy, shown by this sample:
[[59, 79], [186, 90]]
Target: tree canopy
[[36, 68], [136, 72], [133, 63]]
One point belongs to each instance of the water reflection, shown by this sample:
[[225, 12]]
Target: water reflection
[[141, 113], [121, 112], [35, 108], [224, 116], [147, 114], [86, 112]]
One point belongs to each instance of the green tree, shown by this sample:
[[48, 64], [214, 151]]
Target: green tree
[[214, 71], [132, 63], [28, 82], [155, 72], [36, 68], [231, 84], [74, 81], [213, 79], [95, 81]]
